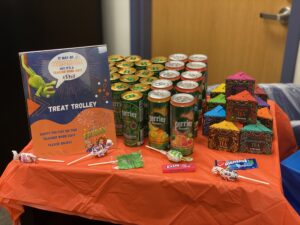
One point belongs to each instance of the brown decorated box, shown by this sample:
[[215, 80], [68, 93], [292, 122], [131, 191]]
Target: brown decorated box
[[256, 138], [220, 89], [218, 100], [261, 103], [239, 82], [215, 115], [241, 107], [260, 93], [265, 117], [224, 136]]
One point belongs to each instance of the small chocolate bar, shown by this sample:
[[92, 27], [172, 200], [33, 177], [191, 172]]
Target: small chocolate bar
[[242, 108], [213, 116], [224, 136], [220, 89], [265, 117], [239, 82], [218, 100], [260, 93], [261, 103], [256, 138]]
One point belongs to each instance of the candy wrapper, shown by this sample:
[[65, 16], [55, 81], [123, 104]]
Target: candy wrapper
[[125, 162], [24, 157], [242, 164], [130, 161], [172, 155], [232, 175], [176, 168]]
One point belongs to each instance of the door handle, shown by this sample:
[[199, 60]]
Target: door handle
[[282, 16]]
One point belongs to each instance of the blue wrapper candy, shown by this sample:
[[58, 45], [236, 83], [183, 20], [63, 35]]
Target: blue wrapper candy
[[241, 164]]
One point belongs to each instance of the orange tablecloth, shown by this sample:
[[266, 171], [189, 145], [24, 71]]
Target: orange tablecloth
[[147, 196]]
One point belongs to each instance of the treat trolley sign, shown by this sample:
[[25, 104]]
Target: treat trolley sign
[[68, 94]]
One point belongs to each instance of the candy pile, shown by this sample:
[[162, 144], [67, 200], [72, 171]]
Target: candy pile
[[99, 150]]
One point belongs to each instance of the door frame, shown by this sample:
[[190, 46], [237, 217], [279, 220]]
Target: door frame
[[291, 45], [140, 28], [140, 22]]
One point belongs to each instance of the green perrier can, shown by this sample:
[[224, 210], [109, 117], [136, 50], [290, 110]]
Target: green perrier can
[[117, 90], [182, 122], [144, 89], [132, 117]]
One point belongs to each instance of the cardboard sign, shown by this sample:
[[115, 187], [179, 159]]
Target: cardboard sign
[[68, 98]]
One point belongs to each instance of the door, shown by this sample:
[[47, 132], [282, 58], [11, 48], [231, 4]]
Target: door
[[230, 32]]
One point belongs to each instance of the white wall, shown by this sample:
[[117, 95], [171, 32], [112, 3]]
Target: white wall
[[297, 70], [116, 26]]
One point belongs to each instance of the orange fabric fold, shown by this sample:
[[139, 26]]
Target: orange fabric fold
[[148, 196]]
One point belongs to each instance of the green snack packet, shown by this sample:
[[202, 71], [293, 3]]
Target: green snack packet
[[130, 161]]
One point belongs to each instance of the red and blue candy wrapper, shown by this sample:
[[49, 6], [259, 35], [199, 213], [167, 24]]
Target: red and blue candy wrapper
[[241, 164]]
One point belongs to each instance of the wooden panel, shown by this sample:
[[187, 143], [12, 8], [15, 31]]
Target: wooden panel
[[230, 32]]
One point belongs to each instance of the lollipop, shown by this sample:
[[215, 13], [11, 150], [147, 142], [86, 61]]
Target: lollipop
[[172, 155], [125, 161], [31, 158], [232, 175], [97, 151]]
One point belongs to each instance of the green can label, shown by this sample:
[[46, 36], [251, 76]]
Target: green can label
[[144, 89], [132, 117], [182, 123], [117, 90]]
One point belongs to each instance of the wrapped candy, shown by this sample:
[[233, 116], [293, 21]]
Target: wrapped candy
[[172, 155], [99, 150], [125, 161], [31, 158], [232, 175]]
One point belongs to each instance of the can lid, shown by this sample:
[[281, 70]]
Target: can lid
[[119, 86], [140, 87], [169, 74], [159, 95], [196, 65], [127, 70], [191, 75], [133, 58], [111, 64], [175, 64], [124, 64], [178, 57], [159, 59], [115, 58], [148, 80], [143, 62], [187, 85], [129, 78], [162, 84], [155, 67], [182, 100], [131, 95], [198, 58], [113, 69], [144, 73], [114, 76]]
